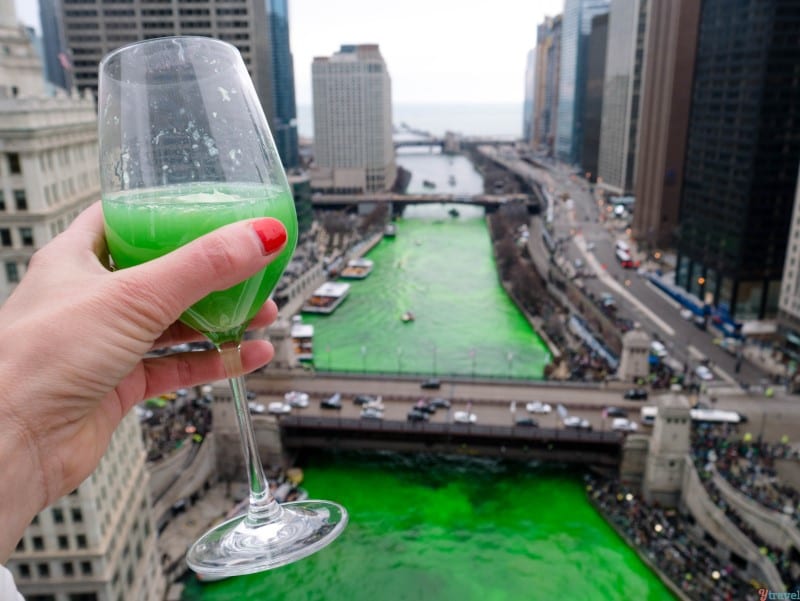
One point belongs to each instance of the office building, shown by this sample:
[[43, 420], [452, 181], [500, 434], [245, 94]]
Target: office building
[[284, 125], [666, 92], [353, 147], [593, 95], [621, 95], [93, 29], [545, 101], [741, 155], [530, 91], [576, 26], [789, 303], [55, 55], [48, 163]]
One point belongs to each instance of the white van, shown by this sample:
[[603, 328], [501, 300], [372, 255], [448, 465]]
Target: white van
[[623, 246], [658, 349]]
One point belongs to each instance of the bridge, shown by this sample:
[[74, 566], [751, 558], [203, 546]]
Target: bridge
[[544, 444], [488, 201], [458, 141]]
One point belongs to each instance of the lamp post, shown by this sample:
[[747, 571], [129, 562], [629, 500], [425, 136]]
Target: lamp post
[[364, 359]]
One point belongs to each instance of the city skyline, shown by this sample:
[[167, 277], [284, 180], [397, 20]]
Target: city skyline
[[435, 58]]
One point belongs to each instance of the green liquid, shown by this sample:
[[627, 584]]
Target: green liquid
[[142, 225]]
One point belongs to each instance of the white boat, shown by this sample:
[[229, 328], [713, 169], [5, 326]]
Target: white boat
[[407, 316], [302, 339], [390, 231], [357, 269], [327, 298]]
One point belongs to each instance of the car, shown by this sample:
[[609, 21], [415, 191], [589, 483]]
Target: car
[[615, 412], [687, 314], [332, 402], [424, 406], [623, 424], [538, 407], [577, 423], [635, 394], [278, 408], [658, 349], [464, 417], [363, 399], [296, 399], [702, 372], [256, 407], [431, 384], [439, 403], [417, 416], [527, 422], [376, 404], [371, 413]]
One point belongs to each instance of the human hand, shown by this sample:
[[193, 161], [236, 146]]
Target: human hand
[[74, 335]]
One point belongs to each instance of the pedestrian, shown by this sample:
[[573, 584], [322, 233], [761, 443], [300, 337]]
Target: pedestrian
[[75, 336]]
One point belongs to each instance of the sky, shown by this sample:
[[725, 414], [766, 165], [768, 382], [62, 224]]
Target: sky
[[436, 51]]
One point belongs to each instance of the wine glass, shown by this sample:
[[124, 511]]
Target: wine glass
[[184, 149]]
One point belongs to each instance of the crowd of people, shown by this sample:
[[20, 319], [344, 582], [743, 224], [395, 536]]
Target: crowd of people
[[663, 535], [169, 423]]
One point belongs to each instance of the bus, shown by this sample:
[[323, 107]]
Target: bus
[[648, 415]]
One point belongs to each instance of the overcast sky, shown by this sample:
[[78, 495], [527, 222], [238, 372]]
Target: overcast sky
[[436, 50]]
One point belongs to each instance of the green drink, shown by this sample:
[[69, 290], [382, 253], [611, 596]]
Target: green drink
[[142, 225]]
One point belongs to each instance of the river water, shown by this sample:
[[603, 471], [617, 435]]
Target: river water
[[444, 529], [441, 269]]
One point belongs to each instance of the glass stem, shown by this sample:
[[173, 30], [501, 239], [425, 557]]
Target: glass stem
[[263, 506]]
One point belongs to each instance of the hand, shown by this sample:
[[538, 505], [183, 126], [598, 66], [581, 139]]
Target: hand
[[74, 335]]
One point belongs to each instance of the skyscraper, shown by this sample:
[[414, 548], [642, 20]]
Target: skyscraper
[[593, 94], [789, 304], [94, 28], [575, 29], [284, 126], [668, 71], [530, 91], [548, 63], [57, 64], [353, 146], [621, 95], [741, 156]]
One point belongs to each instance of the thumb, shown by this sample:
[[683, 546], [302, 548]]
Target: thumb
[[215, 261]]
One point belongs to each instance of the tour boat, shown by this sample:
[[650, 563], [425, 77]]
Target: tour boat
[[426, 183], [327, 298], [302, 339], [390, 231], [357, 269], [407, 316]]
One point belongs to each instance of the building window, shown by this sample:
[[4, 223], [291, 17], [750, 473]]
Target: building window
[[81, 541], [26, 235], [20, 545], [63, 542], [21, 200], [38, 541], [58, 515], [77, 515], [86, 568], [43, 569], [2, 201], [40, 598], [82, 597], [5, 236], [14, 166], [67, 569], [24, 571]]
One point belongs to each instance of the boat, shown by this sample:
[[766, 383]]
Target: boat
[[302, 339], [452, 180], [454, 212], [390, 231], [327, 298], [407, 317], [357, 269], [426, 183]]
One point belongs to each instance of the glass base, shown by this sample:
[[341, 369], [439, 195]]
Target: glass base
[[235, 548]]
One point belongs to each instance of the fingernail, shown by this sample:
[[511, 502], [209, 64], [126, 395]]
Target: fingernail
[[271, 233]]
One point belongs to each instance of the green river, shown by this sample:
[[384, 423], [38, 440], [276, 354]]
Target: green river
[[443, 529]]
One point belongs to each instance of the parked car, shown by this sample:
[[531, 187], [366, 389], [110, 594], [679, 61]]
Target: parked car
[[376, 404], [371, 413], [431, 383], [278, 408], [296, 399], [623, 424], [424, 406], [636, 394], [417, 416], [702, 372], [577, 423], [464, 417], [439, 403], [332, 402], [527, 422], [363, 399], [615, 412], [538, 407], [256, 407]]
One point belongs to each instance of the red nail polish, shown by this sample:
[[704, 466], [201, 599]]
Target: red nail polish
[[271, 233]]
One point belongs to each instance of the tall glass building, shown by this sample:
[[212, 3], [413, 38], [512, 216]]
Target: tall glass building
[[575, 29], [741, 160], [593, 95], [55, 55], [284, 126], [545, 101], [527, 107]]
